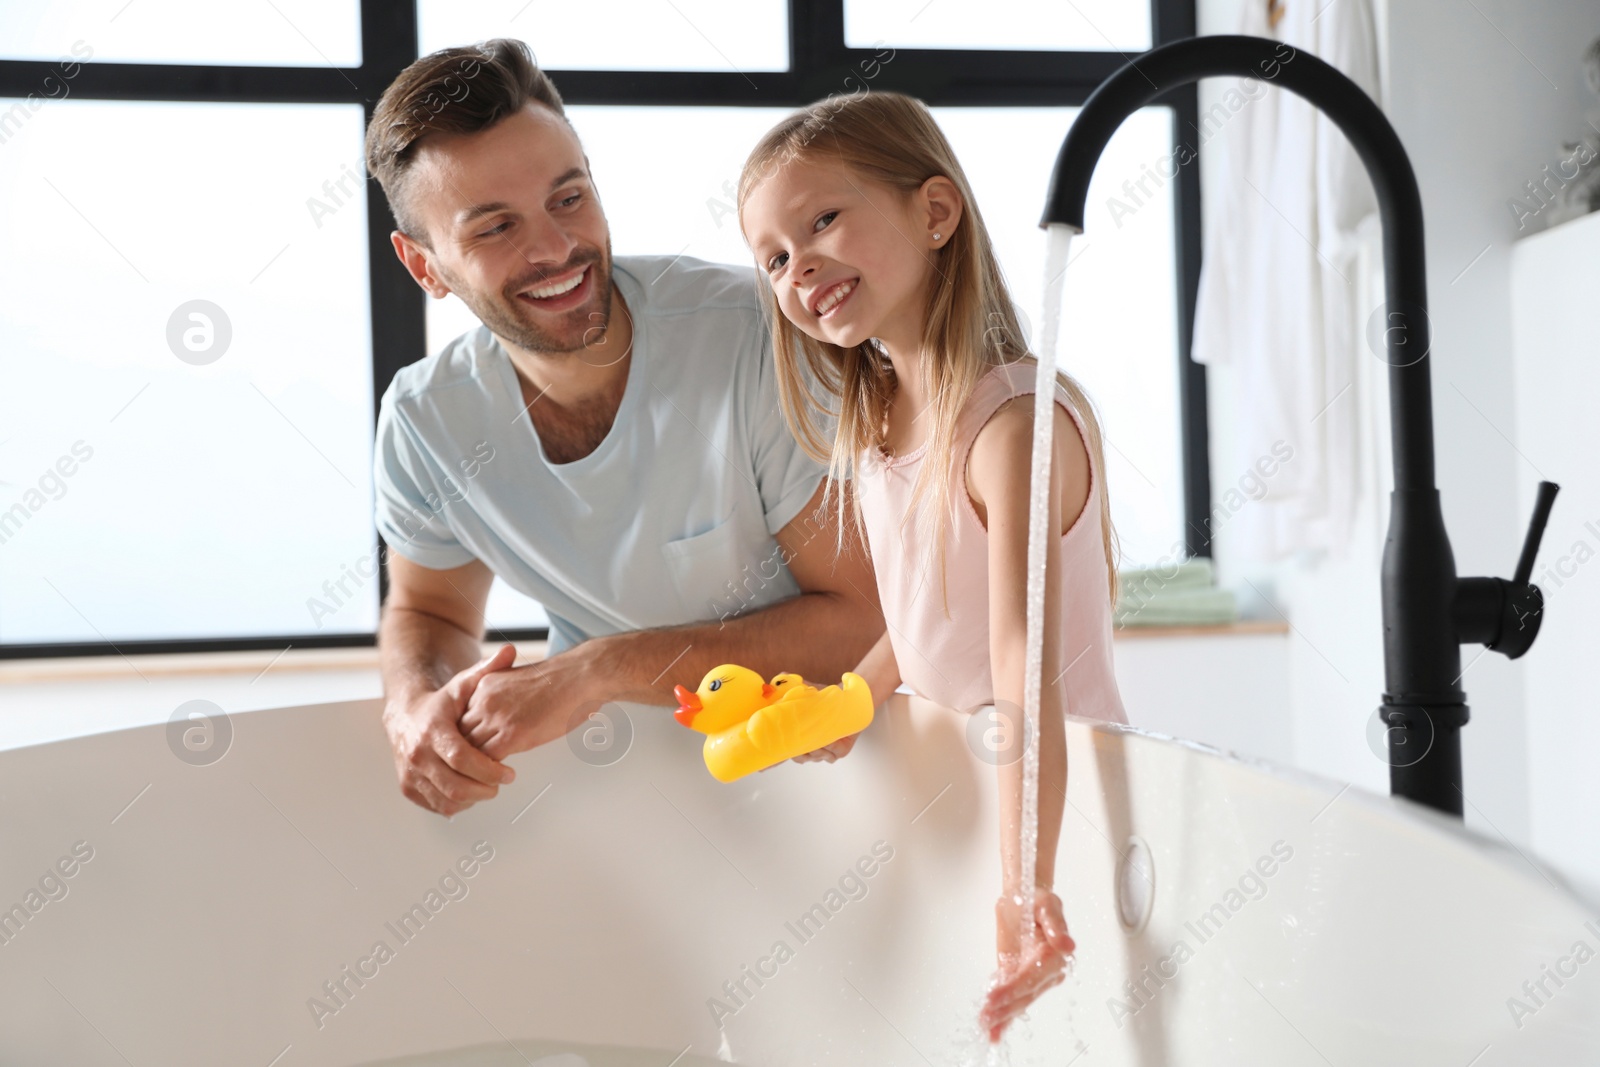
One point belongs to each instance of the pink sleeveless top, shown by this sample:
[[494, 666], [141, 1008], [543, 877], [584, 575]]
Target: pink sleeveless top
[[946, 659]]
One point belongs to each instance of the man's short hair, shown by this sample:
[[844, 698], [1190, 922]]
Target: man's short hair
[[454, 90]]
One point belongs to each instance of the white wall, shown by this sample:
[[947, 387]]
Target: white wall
[[1227, 691], [1555, 276], [1481, 94]]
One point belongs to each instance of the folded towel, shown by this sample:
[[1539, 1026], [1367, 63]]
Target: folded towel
[[1198, 607], [1196, 573], [1177, 594]]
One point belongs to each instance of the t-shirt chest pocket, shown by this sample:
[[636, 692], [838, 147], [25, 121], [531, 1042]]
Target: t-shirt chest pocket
[[703, 565]]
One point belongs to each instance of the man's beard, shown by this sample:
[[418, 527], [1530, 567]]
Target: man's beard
[[511, 317]]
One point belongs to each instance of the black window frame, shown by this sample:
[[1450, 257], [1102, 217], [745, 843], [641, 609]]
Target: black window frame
[[819, 64]]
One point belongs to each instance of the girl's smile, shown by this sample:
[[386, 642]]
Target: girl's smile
[[832, 297]]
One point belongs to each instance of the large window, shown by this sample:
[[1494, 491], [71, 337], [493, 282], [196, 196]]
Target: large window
[[194, 343], [203, 307]]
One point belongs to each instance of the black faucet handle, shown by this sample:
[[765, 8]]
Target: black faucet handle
[[1504, 614], [1530, 546], [1523, 604]]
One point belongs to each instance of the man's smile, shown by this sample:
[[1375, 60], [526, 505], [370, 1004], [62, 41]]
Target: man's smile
[[562, 292]]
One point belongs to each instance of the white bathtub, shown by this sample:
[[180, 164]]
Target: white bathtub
[[1294, 922]]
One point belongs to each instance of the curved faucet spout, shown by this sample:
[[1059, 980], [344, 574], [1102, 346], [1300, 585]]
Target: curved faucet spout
[[1148, 76], [1427, 611]]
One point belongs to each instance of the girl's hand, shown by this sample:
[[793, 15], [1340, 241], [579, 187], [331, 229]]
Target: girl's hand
[[825, 754], [1020, 981], [829, 753], [883, 678]]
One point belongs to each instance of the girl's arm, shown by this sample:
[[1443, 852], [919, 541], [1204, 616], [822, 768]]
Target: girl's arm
[[880, 670], [998, 474]]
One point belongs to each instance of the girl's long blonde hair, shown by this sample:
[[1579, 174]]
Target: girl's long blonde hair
[[893, 140]]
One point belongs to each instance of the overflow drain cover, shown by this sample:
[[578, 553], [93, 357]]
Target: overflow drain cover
[[1136, 885]]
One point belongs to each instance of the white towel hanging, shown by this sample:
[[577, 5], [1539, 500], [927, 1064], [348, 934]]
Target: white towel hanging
[[1276, 299]]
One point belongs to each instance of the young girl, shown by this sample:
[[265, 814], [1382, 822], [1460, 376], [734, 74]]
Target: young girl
[[906, 350]]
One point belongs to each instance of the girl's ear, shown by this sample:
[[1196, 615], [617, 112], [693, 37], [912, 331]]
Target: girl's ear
[[942, 208]]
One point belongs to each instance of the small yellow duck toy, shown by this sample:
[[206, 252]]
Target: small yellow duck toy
[[751, 724]]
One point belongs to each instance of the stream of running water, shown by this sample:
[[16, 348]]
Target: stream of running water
[[1058, 244]]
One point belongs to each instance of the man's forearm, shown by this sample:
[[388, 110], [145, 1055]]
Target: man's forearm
[[418, 652], [817, 635]]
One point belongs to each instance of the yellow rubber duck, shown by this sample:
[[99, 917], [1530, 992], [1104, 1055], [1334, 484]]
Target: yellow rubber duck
[[751, 724]]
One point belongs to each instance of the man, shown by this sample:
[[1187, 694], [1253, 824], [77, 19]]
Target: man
[[609, 443]]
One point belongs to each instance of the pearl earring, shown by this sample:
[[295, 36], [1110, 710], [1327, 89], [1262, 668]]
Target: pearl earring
[[937, 236]]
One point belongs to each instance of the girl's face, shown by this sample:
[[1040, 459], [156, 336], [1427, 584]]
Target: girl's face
[[847, 258]]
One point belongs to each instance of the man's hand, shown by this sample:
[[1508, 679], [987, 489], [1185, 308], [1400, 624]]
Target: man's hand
[[516, 710], [438, 769]]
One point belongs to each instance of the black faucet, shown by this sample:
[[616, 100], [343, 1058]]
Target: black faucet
[[1428, 613]]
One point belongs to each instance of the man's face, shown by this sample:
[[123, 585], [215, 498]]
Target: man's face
[[517, 229]]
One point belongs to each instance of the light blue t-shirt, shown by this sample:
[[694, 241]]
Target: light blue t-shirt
[[670, 520]]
